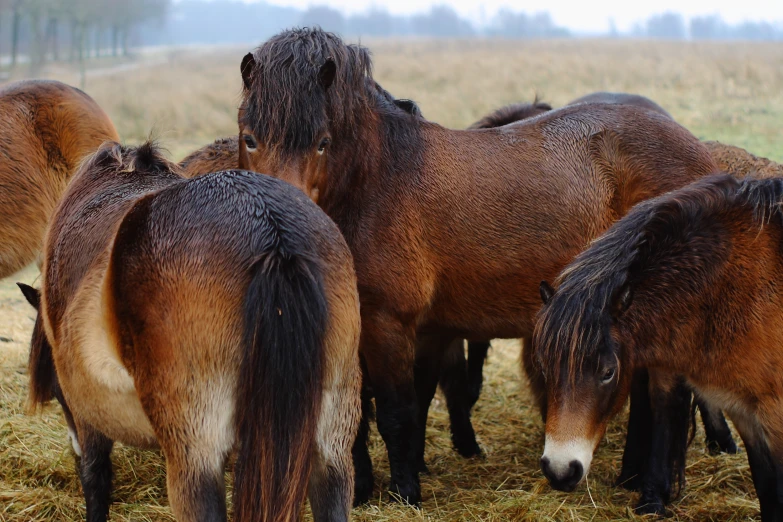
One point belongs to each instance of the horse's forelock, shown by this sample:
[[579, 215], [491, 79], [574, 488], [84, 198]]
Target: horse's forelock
[[286, 106]]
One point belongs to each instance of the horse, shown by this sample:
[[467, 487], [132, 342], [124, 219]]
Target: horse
[[451, 231], [46, 129], [637, 457], [688, 284], [200, 316]]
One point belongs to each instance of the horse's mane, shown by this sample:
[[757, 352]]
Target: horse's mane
[[284, 102], [571, 327], [511, 113]]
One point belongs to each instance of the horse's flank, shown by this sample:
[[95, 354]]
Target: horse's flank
[[47, 128]]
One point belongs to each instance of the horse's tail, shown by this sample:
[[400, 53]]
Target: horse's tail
[[280, 385], [40, 365]]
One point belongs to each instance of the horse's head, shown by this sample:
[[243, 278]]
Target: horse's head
[[302, 88], [587, 376]]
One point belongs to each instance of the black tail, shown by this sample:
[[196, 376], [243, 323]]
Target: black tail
[[280, 385], [40, 365]]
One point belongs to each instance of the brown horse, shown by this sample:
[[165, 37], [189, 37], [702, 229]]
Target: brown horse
[[451, 231], [688, 284], [202, 315], [46, 129]]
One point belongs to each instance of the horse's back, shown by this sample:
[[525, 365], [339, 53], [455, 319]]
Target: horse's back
[[621, 98], [545, 188], [222, 154], [741, 163]]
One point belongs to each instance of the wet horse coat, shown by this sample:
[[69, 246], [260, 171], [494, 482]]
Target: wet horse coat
[[199, 316], [687, 284]]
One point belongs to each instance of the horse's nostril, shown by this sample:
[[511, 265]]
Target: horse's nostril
[[576, 470], [545, 467]]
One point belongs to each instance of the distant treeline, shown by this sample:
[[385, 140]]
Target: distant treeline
[[673, 26], [74, 30], [233, 21]]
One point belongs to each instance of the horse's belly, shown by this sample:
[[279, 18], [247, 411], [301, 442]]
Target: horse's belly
[[100, 390]]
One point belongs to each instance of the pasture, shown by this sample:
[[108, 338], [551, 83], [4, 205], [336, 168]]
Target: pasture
[[729, 92]]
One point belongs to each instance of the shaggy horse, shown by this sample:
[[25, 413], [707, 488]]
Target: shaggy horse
[[451, 231], [687, 284], [199, 316], [46, 129]]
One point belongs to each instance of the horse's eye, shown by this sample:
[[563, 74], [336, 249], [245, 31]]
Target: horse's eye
[[608, 375], [250, 142], [322, 146]]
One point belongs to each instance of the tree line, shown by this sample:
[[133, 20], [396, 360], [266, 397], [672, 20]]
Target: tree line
[[72, 30], [673, 26]]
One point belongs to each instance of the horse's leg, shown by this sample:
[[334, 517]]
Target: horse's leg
[[362, 464], [331, 485], [455, 382], [638, 437], [427, 368], [717, 431], [192, 415], [670, 399], [194, 479], [95, 471], [763, 468], [72, 436], [389, 350], [534, 377], [477, 354]]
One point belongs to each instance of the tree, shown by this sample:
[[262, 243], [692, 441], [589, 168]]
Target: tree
[[668, 25], [376, 22], [325, 17], [442, 20], [708, 27]]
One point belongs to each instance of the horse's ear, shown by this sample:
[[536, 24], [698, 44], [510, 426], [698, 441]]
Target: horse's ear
[[327, 73], [546, 291], [622, 299], [32, 295], [248, 67]]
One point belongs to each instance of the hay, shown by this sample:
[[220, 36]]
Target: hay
[[38, 479]]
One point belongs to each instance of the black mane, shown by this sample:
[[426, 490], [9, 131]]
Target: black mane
[[511, 113]]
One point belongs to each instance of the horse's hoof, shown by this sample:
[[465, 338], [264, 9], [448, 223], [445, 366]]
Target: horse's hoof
[[407, 494], [715, 447], [651, 506], [629, 481], [469, 450], [421, 467], [362, 492], [464, 441]]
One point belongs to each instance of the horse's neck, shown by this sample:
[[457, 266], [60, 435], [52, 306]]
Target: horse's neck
[[385, 153]]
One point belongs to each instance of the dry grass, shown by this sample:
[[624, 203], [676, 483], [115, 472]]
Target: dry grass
[[729, 92]]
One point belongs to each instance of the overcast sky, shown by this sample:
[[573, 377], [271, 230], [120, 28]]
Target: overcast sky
[[578, 15]]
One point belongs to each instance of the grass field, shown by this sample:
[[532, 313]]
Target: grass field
[[730, 92]]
